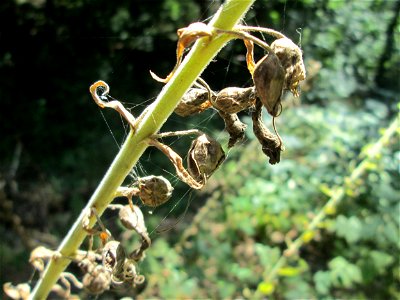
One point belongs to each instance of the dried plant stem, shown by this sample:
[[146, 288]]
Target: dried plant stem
[[195, 62], [337, 196]]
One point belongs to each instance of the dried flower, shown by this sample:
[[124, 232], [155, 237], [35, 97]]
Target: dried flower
[[154, 190], [291, 59], [232, 100], [204, 157]]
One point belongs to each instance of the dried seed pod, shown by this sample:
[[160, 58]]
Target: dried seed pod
[[269, 77], [232, 100], [97, 281], [132, 219], [154, 190], [291, 59], [234, 127], [204, 157], [194, 101], [113, 257], [271, 144]]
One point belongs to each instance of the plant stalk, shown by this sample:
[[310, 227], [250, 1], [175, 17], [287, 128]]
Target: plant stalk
[[151, 121]]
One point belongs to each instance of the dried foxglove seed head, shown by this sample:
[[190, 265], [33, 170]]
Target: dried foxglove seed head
[[194, 101], [113, 257], [232, 100], [291, 59], [204, 157], [132, 219], [154, 190], [97, 281], [269, 77]]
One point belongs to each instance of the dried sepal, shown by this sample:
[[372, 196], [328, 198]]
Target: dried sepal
[[232, 100], [269, 77], [234, 127], [194, 101], [154, 190], [204, 157], [291, 59], [271, 144], [19, 291], [250, 55], [187, 36]]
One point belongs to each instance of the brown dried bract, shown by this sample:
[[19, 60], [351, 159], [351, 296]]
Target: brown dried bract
[[154, 190], [271, 144], [193, 101], [204, 157], [268, 78], [291, 59], [232, 100]]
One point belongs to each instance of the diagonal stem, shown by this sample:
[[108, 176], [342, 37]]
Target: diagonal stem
[[195, 62]]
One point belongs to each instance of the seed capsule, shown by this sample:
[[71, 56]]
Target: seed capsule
[[291, 59], [269, 77], [204, 157], [194, 101], [132, 219], [113, 257], [232, 100], [97, 281], [154, 190]]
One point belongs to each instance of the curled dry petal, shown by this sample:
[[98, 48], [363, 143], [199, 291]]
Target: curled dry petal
[[38, 256], [268, 78], [232, 100], [291, 59], [234, 127], [204, 157], [154, 190], [271, 144], [193, 101]]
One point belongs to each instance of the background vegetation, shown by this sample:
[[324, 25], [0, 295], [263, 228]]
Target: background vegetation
[[56, 145]]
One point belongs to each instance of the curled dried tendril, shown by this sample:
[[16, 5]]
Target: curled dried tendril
[[154, 190], [99, 91]]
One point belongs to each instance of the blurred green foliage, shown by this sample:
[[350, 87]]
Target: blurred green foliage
[[234, 231]]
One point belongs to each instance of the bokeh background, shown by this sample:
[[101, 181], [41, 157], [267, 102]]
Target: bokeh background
[[224, 241]]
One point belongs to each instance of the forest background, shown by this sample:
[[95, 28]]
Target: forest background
[[224, 241]]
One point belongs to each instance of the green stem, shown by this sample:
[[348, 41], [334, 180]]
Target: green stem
[[195, 62], [335, 199]]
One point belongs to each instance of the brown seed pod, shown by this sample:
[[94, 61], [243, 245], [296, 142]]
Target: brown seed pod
[[194, 101], [132, 219], [232, 100], [154, 190], [269, 77], [204, 157], [97, 281], [291, 59]]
